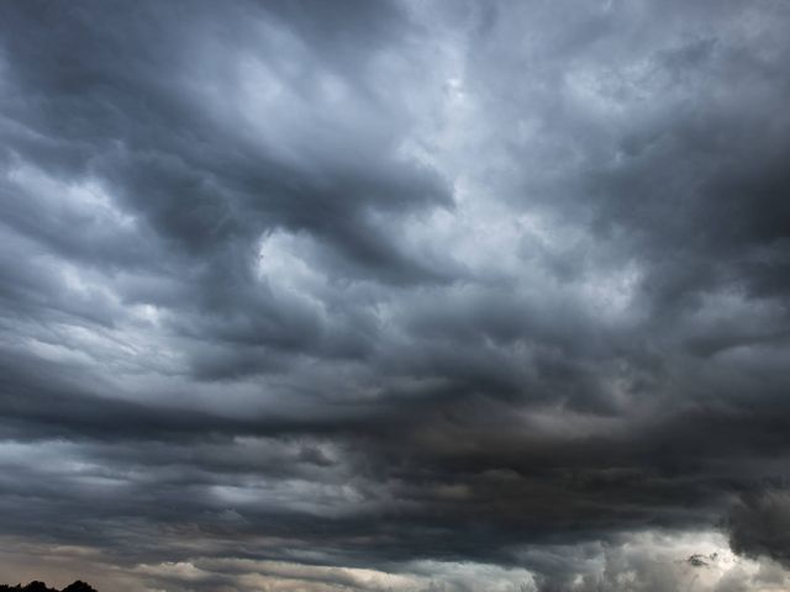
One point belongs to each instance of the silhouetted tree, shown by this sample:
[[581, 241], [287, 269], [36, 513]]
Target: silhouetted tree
[[79, 586], [36, 586]]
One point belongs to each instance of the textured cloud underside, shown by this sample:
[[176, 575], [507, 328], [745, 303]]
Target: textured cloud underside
[[411, 296]]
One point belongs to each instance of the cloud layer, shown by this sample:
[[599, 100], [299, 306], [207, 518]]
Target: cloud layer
[[414, 296]]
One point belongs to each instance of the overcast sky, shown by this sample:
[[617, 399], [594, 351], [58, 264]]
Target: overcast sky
[[424, 296]]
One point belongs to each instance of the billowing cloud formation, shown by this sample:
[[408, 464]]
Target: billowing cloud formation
[[415, 296]]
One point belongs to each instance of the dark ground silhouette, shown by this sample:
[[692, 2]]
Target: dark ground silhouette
[[37, 586]]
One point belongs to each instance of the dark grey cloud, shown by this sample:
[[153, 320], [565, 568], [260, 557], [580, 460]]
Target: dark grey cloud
[[407, 296], [758, 523]]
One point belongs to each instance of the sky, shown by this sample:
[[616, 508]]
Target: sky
[[414, 296]]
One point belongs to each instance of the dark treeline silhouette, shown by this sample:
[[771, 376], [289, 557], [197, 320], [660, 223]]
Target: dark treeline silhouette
[[37, 586]]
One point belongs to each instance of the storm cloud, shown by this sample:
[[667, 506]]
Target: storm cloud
[[420, 296]]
